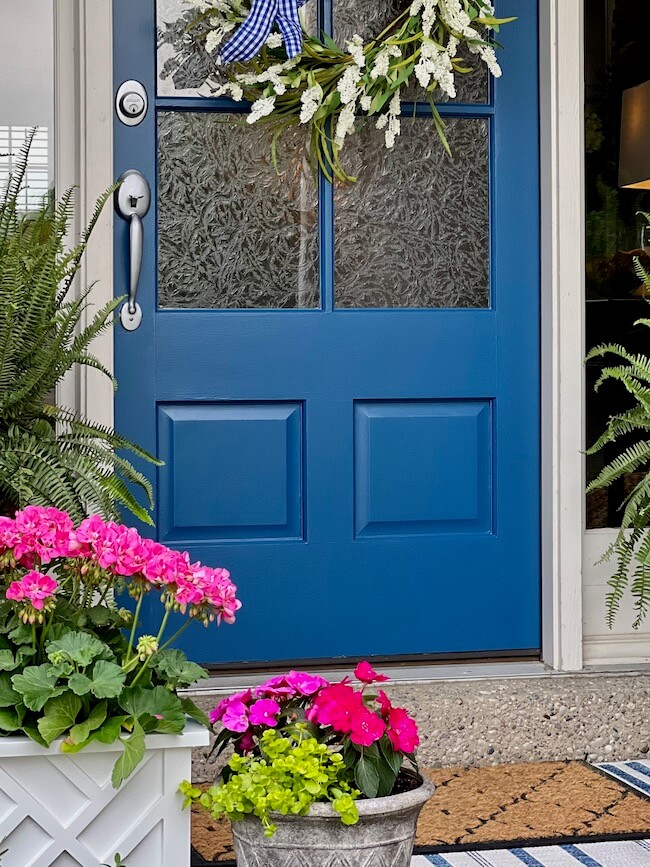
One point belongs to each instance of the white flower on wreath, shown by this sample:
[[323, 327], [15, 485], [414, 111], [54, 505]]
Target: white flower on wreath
[[311, 100], [348, 84], [381, 65], [275, 40], [345, 123], [215, 37], [365, 102], [435, 65], [355, 47], [428, 8], [394, 121], [261, 108], [235, 90]]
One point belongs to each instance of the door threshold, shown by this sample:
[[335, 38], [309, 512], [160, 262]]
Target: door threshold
[[235, 681]]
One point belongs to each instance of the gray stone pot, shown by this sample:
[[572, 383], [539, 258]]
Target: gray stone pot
[[383, 837]]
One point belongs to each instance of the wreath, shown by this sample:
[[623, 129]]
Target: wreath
[[261, 52]]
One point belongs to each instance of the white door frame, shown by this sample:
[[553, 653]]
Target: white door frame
[[83, 130]]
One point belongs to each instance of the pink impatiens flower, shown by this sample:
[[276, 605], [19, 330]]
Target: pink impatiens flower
[[264, 713], [403, 730], [335, 706], [366, 674], [367, 727], [384, 703], [220, 710], [36, 589], [304, 683], [235, 717]]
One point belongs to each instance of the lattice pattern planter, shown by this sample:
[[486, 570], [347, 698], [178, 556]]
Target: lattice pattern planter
[[59, 810]]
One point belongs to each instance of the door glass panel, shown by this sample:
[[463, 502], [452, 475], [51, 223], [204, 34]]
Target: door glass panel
[[414, 230], [184, 67], [232, 231], [368, 18]]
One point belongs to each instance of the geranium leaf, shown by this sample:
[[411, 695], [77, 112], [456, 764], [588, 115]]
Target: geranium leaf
[[134, 747], [159, 703], [8, 695], [177, 670], [59, 715], [10, 719], [77, 647], [8, 661], [194, 712], [79, 684], [81, 731], [109, 731], [36, 685], [107, 679]]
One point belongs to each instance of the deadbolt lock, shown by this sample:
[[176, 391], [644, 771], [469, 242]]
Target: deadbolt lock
[[131, 103]]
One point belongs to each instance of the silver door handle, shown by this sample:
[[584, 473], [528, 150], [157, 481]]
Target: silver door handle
[[132, 202]]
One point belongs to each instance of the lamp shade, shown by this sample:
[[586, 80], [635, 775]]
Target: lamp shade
[[634, 167]]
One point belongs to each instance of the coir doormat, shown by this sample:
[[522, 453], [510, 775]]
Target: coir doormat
[[520, 805]]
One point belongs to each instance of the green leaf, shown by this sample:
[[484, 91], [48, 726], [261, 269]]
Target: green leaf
[[134, 747], [194, 712], [8, 661], [158, 704], [387, 777], [107, 679], [36, 685], [366, 777], [110, 731], [393, 758], [8, 696], [177, 670], [32, 732], [78, 647], [79, 684], [10, 719], [59, 715], [81, 731]]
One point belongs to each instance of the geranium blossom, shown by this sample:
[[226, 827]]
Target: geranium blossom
[[35, 589]]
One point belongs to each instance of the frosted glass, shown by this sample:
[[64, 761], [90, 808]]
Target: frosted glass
[[232, 233], [414, 230]]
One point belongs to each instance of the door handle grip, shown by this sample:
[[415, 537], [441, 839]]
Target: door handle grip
[[132, 201], [136, 238]]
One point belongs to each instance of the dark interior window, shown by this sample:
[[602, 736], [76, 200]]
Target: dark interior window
[[616, 57]]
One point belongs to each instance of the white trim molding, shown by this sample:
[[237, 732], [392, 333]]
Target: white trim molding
[[562, 173], [83, 129]]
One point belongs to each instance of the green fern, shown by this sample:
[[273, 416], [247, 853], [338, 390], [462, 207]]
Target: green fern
[[631, 549], [48, 454]]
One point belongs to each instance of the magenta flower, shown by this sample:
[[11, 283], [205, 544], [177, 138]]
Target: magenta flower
[[384, 703], [335, 706], [304, 683], [45, 532], [235, 718], [219, 711], [366, 674], [403, 730], [34, 588], [264, 713], [366, 728]]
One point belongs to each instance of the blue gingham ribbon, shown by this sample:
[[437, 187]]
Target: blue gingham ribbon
[[253, 33]]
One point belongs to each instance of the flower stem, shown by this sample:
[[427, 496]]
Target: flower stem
[[136, 615]]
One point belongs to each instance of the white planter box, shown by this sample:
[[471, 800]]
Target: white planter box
[[59, 810]]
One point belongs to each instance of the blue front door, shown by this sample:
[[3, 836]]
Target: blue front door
[[343, 383]]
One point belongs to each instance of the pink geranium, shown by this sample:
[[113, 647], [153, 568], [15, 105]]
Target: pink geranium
[[44, 532], [35, 589]]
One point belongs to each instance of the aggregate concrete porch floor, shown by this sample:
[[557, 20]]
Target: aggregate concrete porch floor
[[600, 717]]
